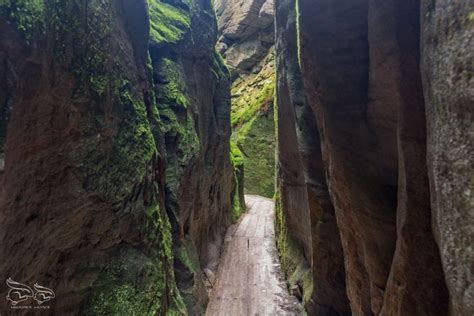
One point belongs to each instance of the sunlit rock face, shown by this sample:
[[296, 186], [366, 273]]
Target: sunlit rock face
[[245, 31], [246, 39], [116, 188]]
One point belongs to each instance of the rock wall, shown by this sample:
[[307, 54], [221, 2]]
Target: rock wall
[[246, 39], [307, 234], [447, 67], [114, 105], [362, 83]]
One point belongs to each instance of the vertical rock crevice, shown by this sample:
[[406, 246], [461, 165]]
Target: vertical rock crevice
[[306, 221]]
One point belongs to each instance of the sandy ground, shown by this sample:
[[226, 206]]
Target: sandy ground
[[249, 279]]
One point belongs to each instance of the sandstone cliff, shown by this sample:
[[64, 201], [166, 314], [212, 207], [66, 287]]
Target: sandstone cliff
[[307, 233], [117, 181], [404, 215], [246, 39]]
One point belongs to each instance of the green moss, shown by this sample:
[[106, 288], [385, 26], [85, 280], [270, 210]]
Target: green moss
[[236, 155], [219, 67], [254, 129], [257, 141], [28, 15], [182, 141], [138, 284], [238, 202], [294, 265], [168, 24], [174, 92], [250, 105], [298, 39]]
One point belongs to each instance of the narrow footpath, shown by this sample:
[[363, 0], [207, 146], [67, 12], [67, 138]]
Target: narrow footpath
[[249, 280]]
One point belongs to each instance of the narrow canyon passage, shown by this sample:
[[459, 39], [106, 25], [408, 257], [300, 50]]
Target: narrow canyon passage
[[237, 157], [250, 281]]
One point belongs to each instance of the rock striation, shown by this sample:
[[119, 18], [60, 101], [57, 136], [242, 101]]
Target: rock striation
[[114, 126], [245, 31], [307, 233], [387, 98]]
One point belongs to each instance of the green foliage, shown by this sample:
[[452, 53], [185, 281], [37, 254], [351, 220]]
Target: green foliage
[[257, 141], [236, 155], [168, 24]]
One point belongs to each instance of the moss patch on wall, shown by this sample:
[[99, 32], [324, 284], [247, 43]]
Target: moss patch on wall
[[28, 15], [254, 128], [238, 201], [168, 24], [296, 269], [135, 283]]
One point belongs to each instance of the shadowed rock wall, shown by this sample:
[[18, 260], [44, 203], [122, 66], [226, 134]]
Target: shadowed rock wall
[[117, 180], [307, 233], [360, 63], [447, 67]]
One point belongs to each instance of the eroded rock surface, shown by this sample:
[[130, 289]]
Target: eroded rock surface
[[307, 233], [246, 43], [447, 55], [369, 103], [117, 182], [362, 84], [245, 30]]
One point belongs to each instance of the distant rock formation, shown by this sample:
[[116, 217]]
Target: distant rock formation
[[246, 39]]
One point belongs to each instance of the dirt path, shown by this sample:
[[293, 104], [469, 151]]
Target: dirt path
[[249, 280]]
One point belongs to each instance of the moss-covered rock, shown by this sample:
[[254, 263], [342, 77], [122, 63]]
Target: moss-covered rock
[[191, 89], [126, 139], [238, 199], [254, 128], [168, 23], [295, 266]]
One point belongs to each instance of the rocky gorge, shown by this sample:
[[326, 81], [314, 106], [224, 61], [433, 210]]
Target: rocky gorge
[[131, 130]]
